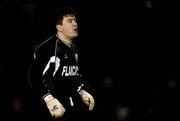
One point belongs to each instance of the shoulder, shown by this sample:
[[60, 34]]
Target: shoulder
[[45, 44], [45, 47]]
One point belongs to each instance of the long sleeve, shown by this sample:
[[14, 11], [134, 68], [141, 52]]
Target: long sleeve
[[40, 75], [79, 84]]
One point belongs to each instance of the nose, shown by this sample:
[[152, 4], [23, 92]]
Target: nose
[[75, 23]]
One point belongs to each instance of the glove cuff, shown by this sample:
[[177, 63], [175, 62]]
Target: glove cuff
[[48, 98], [82, 92]]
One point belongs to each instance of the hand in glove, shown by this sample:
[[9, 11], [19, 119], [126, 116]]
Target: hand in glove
[[55, 107], [87, 99]]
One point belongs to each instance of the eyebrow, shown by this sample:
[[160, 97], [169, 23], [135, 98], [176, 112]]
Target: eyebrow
[[68, 19]]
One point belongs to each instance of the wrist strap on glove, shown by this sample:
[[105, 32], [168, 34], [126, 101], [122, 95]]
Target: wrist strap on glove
[[48, 98]]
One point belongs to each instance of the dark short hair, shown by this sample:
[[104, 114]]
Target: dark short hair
[[61, 12]]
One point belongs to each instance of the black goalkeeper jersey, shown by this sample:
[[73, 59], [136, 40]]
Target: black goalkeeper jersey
[[55, 69]]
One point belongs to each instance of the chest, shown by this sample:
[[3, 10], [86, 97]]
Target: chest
[[68, 64], [68, 57]]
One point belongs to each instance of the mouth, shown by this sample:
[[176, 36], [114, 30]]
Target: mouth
[[76, 30]]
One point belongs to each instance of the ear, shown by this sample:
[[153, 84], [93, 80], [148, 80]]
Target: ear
[[59, 27]]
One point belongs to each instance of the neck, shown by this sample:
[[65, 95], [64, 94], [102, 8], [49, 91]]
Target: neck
[[64, 39]]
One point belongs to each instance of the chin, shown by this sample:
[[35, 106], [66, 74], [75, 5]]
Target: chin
[[76, 35], [72, 37]]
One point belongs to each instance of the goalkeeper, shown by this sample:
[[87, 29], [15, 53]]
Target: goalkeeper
[[54, 74]]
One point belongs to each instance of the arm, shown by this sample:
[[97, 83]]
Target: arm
[[86, 97], [36, 81], [40, 76]]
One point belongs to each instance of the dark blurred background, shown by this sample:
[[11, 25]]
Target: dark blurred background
[[129, 51]]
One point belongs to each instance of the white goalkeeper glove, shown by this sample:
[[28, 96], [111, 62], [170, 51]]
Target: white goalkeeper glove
[[87, 99], [56, 109]]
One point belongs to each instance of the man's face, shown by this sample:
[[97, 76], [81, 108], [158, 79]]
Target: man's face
[[69, 27]]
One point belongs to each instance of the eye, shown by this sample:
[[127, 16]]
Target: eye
[[70, 21]]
